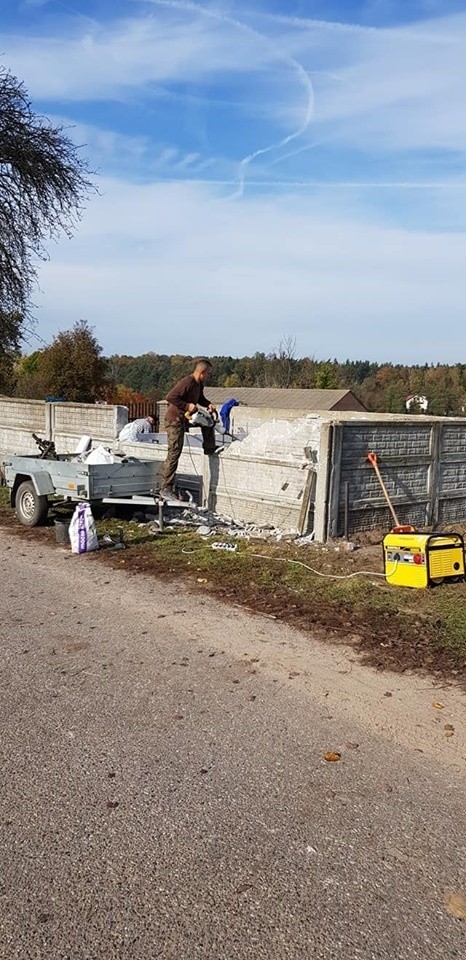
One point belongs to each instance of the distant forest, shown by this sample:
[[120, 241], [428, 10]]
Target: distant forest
[[73, 367], [381, 387]]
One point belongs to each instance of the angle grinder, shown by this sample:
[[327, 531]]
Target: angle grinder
[[201, 418]]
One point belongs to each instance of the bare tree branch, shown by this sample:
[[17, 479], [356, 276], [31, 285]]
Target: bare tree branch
[[43, 186]]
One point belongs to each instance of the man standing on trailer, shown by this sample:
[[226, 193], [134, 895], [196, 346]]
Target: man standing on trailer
[[184, 398]]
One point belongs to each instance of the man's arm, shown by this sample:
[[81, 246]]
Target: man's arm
[[177, 395]]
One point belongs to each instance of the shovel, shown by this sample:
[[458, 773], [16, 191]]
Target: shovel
[[399, 527]]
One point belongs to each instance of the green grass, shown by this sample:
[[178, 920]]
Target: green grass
[[5, 502], [437, 615], [451, 620], [369, 609]]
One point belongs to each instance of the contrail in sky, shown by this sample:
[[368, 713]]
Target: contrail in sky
[[280, 54]]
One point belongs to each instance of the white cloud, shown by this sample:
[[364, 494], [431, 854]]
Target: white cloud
[[139, 156], [108, 61], [400, 91], [168, 267], [391, 89], [154, 264]]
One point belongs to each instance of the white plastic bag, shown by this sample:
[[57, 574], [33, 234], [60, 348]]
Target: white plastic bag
[[100, 455], [83, 534]]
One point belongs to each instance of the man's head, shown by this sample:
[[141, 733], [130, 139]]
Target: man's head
[[202, 371], [151, 421]]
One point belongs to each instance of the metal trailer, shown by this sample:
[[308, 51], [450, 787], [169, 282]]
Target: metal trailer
[[32, 480]]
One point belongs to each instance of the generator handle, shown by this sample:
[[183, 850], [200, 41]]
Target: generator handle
[[452, 533]]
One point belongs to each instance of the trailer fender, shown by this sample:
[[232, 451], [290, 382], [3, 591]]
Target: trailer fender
[[42, 484]]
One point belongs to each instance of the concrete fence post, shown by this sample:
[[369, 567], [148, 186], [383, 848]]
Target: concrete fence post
[[309, 487], [206, 483], [49, 425], [334, 481], [433, 481], [322, 485]]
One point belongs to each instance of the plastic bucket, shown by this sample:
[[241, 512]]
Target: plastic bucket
[[62, 531]]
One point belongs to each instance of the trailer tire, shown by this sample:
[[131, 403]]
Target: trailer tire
[[31, 507]]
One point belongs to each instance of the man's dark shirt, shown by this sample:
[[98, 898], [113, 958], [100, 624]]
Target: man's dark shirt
[[187, 391]]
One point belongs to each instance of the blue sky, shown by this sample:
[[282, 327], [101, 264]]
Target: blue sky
[[265, 169]]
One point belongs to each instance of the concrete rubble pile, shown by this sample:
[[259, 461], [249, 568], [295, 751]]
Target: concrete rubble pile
[[208, 525]]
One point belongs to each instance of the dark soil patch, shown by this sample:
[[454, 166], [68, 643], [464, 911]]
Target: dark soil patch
[[390, 628], [384, 638]]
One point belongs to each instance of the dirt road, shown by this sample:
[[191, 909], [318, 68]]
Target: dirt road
[[164, 792]]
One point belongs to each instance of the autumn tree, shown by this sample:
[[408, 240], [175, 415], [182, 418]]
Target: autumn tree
[[283, 363], [305, 373], [122, 395], [28, 378], [326, 378], [11, 331], [43, 184], [232, 381], [73, 367]]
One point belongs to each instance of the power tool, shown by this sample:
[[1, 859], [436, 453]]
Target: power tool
[[201, 418]]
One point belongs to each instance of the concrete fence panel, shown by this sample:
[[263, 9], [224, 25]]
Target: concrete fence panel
[[70, 421], [452, 473], [404, 455], [19, 419], [423, 465], [263, 492]]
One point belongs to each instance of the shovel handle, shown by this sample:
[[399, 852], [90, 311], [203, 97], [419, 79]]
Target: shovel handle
[[372, 458]]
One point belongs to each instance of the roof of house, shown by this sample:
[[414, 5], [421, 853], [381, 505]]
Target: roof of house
[[282, 398]]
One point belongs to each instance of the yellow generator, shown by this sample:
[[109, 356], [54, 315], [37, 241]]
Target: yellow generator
[[423, 559]]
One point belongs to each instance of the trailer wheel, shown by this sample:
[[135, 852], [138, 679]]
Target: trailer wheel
[[31, 508]]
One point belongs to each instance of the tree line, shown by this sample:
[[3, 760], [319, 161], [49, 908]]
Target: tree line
[[382, 387], [73, 368]]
